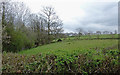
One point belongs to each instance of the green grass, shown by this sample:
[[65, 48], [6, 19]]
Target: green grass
[[94, 36], [74, 47], [69, 47], [80, 56]]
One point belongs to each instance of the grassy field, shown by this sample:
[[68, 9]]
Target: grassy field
[[70, 46], [74, 47], [68, 56], [94, 36]]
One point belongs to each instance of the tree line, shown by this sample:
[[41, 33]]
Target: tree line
[[22, 29]]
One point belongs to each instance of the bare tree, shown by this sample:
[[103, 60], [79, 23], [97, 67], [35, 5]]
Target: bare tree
[[80, 32], [98, 33], [12, 19], [17, 20], [49, 13], [56, 28], [105, 32]]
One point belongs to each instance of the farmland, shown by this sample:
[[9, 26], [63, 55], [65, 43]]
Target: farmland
[[71, 46], [47, 38], [68, 56], [94, 36]]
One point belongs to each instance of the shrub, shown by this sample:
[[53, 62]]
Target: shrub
[[15, 63]]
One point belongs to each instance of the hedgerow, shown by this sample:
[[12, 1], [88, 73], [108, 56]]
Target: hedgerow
[[50, 63]]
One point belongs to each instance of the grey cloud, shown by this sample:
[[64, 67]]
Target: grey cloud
[[101, 13]]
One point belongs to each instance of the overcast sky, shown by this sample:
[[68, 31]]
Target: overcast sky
[[88, 14]]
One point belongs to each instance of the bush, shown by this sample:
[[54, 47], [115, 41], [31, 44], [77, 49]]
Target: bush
[[58, 64], [18, 41]]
